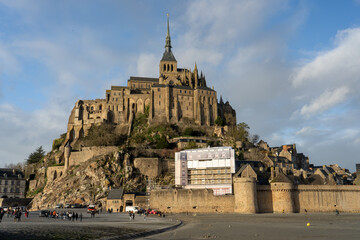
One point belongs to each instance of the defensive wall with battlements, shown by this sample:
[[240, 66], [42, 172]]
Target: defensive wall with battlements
[[249, 197]]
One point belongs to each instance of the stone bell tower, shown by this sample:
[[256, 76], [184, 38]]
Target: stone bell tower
[[168, 64]]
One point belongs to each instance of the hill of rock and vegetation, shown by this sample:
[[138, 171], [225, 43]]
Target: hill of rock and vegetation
[[90, 181]]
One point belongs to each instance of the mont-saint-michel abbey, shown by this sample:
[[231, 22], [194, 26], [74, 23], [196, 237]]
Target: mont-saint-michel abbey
[[170, 143], [177, 96]]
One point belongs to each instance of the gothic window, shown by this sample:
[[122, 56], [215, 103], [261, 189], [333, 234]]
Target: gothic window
[[92, 108], [159, 103], [100, 107], [172, 67], [164, 67]]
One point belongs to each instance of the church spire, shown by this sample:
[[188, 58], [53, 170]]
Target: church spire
[[168, 39], [168, 55]]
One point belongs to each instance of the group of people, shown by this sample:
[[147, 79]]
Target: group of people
[[69, 215], [16, 213], [132, 215]]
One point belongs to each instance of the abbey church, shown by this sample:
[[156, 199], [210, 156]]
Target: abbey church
[[178, 96]]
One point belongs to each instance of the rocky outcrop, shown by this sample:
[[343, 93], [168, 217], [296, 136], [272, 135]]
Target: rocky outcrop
[[90, 182]]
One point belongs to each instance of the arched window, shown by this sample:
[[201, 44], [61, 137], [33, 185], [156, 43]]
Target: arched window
[[92, 108], [164, 67], [172, 67], [100, 107]]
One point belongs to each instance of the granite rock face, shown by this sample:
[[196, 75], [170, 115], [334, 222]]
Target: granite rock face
[[90, 182]]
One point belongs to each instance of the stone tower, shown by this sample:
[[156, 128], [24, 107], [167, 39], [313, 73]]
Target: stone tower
[[168, 64]]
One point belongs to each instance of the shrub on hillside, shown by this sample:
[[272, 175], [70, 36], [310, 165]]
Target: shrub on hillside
[[58, 142], [103, 135]]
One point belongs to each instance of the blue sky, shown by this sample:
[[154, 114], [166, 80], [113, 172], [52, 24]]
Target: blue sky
[[289, 68]]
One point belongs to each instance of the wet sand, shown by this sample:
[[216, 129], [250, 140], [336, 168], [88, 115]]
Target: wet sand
[[103, 226], [265, 226], [193, 226]]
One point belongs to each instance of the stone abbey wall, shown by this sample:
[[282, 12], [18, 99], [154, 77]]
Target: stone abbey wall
[[251, 198]]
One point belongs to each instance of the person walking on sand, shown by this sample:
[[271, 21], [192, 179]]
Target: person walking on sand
[[1, 214]]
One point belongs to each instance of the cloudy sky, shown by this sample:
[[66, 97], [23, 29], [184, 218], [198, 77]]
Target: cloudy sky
[[291, 69]]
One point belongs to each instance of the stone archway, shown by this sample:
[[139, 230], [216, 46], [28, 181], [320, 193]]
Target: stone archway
[[128, 203], [54, 175], [140, 106]]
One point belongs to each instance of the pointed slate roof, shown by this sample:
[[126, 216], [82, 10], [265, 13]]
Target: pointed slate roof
[[168, 55], [116, 193]]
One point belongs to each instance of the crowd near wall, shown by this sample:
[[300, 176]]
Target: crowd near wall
[[251, 198]]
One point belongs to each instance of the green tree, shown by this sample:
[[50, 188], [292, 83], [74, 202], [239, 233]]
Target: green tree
[[191, 145], [36, 156], [240, 132], [219, 121], [162, 143]]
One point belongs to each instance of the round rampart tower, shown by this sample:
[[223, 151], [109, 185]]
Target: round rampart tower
[[67, 152], [245, 195], [282, 197]]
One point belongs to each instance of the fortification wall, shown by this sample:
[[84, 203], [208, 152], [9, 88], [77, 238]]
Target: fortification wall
[[325, 198], [190, 200], [264, 198], [279, 198], [150, 167], [54, 172], [89, 152]]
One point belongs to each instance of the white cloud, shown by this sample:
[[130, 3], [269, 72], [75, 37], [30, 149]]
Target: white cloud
[[305, 131], [147, 65], [212, 35], [23, 131], [325, 101], [337, 65]]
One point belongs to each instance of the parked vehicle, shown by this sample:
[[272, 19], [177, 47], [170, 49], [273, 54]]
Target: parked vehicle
[[91, 208], [134, 209], [75, 205], [67, 205], [44, 213], [59, 205], [153, 211]]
